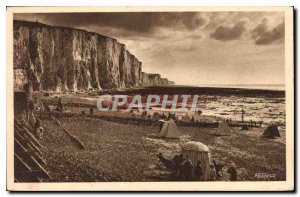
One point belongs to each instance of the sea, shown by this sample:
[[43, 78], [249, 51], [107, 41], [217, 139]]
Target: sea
[[265, 109], [250, 86], [268, 110]]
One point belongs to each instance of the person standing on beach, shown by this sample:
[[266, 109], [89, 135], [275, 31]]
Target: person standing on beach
[[232, 172], [31, 117], [212, 174], [60, 106], [38, 129], [187, 170], [198, 171], [29, 101], [178, 159]]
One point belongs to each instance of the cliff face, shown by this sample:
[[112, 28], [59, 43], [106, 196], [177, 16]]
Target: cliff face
[[171, 83], [145, 79], [66, 59], [164, 81], [154, 79]]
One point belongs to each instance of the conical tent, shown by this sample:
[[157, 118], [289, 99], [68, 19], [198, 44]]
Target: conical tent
[[161, 123], [169, 130], [271, 131], [186, 117], [223, 128]]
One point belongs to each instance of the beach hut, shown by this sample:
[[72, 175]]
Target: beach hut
[[186, 118], [197, 151], [223, 128], [272, 131], [169, 130]]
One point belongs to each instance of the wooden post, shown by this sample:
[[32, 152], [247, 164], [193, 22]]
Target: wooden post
[[243, 114]]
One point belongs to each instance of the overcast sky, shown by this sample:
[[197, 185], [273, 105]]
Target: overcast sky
[[192, 48]]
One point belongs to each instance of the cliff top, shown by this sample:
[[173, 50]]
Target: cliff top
[[153, 75], [41, 25]]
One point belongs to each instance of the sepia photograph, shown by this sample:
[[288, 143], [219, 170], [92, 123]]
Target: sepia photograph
[[150, 98]]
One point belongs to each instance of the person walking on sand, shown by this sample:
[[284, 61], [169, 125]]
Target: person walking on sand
[[232, 172], [198, 171]]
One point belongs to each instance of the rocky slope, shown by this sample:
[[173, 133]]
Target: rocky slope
[[66, 59]]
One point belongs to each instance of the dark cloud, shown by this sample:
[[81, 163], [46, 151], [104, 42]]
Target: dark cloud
[[174, 43], [141, 22], [226, 33], [263, 36], [194, 22]]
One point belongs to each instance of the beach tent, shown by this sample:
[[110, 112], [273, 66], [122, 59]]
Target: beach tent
[[169, 130], [186, 118], [271, 131], [161, 123], [223, 128], [197, 151]]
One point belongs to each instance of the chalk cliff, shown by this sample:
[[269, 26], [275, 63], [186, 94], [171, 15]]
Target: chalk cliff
[[67, 59]]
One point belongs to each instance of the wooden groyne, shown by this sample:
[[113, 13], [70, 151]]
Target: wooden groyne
[[29, 164]]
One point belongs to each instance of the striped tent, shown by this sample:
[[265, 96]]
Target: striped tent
[[197, 151]]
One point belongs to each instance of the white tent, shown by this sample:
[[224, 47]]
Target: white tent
[[169, 130], [197, 151], [161, 123], [186, 118], [223, 128]]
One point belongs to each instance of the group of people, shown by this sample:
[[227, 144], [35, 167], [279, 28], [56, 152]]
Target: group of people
[[185, 170], [43, 106], [34, 122], [30, 106], [168, 117], [157, 115]]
